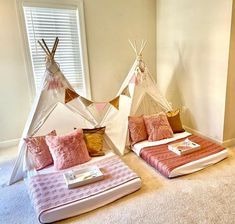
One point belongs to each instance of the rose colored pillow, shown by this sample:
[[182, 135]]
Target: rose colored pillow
[[158, 127], [68, 150], [173, 118], [39, 151], [137, 129]]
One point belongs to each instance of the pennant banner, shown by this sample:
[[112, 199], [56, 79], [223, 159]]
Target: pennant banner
[[115, 102], [85, 101], [100, 106], [70, 95], [126, 92]]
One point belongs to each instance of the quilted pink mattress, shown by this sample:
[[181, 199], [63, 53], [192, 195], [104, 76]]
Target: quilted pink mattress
[[49, 192]]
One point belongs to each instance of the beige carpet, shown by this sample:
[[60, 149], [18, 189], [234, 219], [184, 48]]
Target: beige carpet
[[207, 196]]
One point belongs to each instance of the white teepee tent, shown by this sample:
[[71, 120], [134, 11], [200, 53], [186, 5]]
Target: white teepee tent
[[55, 90], [137, 95]]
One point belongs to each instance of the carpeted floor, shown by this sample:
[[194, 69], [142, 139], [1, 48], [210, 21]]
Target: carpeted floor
[[204, 197]]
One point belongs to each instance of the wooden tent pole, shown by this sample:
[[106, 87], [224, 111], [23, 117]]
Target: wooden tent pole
[[143, 46], [46, 46], [55, 46], [136, 47], [133, 47], [43, 48]]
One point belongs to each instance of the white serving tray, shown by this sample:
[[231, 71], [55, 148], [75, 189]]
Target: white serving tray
[[184, 147], [76, 178]]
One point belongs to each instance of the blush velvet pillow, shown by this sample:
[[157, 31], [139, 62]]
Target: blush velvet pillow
[[39, 151], [158, 127], [68, 150], [137, 129]]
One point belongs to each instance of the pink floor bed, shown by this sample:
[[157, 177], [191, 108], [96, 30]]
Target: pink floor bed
[[53, 201], [169, 164]]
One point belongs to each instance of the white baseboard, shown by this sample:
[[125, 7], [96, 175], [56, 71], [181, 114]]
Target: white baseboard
[[229, 142], [196, 132], [226, 143], [9, 143]]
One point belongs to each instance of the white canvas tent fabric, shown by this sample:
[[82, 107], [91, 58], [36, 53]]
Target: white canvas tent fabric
[[50, 95], [137, 95], [144, 98]]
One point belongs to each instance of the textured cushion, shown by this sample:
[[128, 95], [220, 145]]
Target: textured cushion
[[158, 127], [137, 129], [94, 140], [68, 150], [39, 151], [173, 118]]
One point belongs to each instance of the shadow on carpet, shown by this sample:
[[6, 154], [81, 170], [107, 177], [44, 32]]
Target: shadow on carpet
[[15, 205]]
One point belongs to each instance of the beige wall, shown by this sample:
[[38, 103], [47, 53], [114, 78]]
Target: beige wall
[[192, 57], [14, 92], [109, 24], [192, 60], [229, 127]]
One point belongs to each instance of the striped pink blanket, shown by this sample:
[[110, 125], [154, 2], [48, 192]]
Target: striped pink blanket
[[49, 191], [162, 159]]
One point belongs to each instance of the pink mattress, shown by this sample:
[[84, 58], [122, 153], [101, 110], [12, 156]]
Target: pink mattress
[[50, 194], [166, 161]]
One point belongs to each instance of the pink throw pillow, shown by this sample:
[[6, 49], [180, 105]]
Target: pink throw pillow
[[137, 129], [68, 150], [39, 151], [158, 127]]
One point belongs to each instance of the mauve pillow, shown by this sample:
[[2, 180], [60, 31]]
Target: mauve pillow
[[39, 151], [68, 150], [158, 127], [137, 129]]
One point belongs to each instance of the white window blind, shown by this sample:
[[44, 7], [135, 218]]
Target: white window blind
[[48, 23]]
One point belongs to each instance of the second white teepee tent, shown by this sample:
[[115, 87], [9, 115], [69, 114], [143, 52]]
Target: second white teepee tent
[[138, 95]]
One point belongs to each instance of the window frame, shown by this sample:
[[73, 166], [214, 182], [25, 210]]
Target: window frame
[[68, 4]]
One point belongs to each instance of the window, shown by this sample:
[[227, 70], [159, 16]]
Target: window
[[48, 22]]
